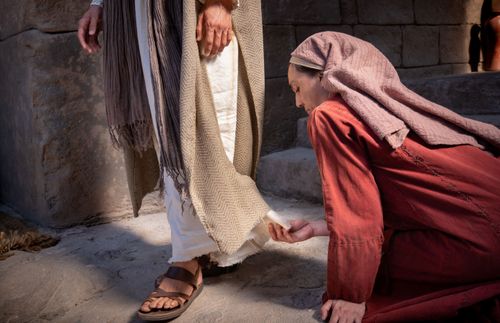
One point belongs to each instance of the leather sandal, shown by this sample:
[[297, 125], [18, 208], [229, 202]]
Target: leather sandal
[[176, 273]]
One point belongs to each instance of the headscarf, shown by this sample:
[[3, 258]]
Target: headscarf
[[370, 85]]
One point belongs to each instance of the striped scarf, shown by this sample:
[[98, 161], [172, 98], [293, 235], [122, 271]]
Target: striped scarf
[[126, 100]]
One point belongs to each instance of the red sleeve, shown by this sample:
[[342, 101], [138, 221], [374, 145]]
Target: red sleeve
[[352, 203]]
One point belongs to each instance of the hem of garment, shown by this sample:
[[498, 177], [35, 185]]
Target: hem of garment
[[254, 243]]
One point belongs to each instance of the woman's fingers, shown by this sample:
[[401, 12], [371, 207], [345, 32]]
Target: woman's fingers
[[325, 309], [304, 233], [272, 232], [343, 311]]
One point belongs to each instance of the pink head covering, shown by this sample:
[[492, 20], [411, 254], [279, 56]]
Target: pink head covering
[[370, 85]]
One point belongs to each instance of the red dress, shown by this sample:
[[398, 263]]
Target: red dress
[[439, 205]]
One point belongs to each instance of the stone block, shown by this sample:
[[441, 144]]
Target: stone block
[[279, 12], [454, 44], [386, 38], [304, 31], [420, 46], [45, 15], [60, 168], [424, 72], [493, 119], [291, 173], [279, 42], [385, 12], [349, 11], [280, 116], [441, 12], [302, 139], [468, 94], [432, 71]]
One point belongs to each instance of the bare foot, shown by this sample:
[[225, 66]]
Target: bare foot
[[172, 285]]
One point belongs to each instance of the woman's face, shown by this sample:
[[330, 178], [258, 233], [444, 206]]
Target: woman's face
[[307, 88]]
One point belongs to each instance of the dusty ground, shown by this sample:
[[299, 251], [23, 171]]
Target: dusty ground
[[102, 273]]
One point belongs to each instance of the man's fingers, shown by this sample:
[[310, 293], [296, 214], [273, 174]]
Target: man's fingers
[[94, 43], [223, 41], [325, 309], [209, 41], [229, 35], [217, 43], [199, 31], [93, 25], [82, 32]]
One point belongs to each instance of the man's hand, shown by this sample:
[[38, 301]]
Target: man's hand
[[214, 28], [300, 230], [343, 311], [89, 28]]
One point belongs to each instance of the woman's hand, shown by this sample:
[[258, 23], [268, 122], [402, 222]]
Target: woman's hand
[[343, 311], [89, 27], [214, 28], [300, 230]]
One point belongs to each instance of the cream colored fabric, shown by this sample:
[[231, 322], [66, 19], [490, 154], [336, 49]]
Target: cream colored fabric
[[370, 85], [189, 237], [224, 194]]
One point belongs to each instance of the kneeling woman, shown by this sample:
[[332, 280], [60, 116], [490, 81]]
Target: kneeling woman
[[411, 190]]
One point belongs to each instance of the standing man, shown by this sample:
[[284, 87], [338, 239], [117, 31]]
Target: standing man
[[190, 75]]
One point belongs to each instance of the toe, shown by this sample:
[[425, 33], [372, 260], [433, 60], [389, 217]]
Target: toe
[[145, 306], [161, 302], [154, 303], [174, 303]]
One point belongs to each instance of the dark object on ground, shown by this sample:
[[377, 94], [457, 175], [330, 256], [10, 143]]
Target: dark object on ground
[[16, 235], [211, 269]]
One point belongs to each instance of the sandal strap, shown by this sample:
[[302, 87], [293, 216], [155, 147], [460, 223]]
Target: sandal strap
[[173, 295], [184, 275]]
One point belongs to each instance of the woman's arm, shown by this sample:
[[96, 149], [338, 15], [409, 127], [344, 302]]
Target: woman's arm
[[300, 230], [353, 208]]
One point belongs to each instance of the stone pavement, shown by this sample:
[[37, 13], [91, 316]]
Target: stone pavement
[[102, 273]]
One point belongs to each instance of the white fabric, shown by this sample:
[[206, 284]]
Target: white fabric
[[223, 77], [189, 238]]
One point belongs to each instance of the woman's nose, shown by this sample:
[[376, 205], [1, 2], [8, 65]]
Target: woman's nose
[[298, 102]]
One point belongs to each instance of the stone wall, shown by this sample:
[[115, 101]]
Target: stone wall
[[422, 38], [58, 167]]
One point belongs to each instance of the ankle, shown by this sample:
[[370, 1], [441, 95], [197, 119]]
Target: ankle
[[191, 265]]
